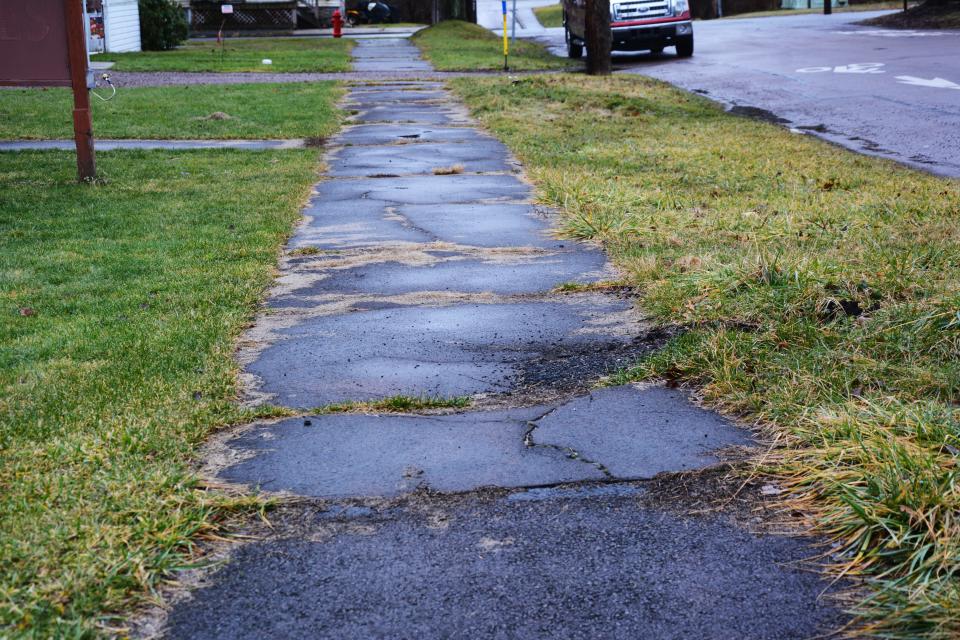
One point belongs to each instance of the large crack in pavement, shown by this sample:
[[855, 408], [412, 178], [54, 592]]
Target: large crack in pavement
[[538, 512]]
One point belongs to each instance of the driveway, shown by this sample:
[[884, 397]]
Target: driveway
[[882, 92], [489, 15]]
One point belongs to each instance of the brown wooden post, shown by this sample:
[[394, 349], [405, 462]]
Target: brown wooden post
[[82, 121]]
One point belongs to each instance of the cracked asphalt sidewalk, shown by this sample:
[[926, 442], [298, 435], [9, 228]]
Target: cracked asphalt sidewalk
[[424, 267]]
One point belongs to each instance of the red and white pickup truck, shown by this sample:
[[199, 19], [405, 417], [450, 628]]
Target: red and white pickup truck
[[637, 25]]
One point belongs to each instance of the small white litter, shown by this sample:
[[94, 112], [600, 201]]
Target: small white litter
[[770, 490]]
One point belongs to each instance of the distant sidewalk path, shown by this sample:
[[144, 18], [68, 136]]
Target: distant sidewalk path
[[376, 72], [174, 145], [131, 79]]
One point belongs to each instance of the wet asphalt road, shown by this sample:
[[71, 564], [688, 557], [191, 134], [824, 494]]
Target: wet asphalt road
[[884, 92]]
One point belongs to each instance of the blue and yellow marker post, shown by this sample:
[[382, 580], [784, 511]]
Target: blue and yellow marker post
[[506, 46]]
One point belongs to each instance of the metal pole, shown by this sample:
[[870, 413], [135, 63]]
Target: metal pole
[[82, 121], [506, 48], [513, 27]]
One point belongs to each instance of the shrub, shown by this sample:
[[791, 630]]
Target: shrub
[[162, 25]]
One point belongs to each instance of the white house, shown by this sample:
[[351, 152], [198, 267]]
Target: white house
[[114, 25]]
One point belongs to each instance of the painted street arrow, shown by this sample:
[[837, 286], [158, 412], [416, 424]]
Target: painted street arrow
[[937, 83]]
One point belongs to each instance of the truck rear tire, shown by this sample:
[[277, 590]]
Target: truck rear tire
[[574, 50], [685, 47]]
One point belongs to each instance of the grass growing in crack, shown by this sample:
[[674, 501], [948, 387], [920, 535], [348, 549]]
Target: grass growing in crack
[[121, 302], [586, 287], [822, 293], [460, 46], [287, 55], [448, 171], [306, 251], [289, 110], [398, 404]]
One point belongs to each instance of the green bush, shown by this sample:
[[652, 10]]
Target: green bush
[[162, 25]]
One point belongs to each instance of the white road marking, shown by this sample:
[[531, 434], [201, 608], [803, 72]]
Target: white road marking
[[891, 33], [936, 83], [860, 67], [856, 67]]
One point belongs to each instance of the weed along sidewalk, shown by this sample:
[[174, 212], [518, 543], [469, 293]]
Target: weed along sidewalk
[[434, 348]]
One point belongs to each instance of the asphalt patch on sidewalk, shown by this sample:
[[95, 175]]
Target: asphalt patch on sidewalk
[[618, 433], [450, 189], [397, 134], [445, 351], [425, 158], [367, 222], [450, 270], [600, 565]]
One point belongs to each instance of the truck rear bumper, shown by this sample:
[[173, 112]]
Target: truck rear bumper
[[648, 36]]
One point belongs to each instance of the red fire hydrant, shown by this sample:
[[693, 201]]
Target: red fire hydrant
[[337, 23]]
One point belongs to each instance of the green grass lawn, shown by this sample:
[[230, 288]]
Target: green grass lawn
[[869, 6], [121, 302], [820, 290], [550, 16], [921, 16], [461, 46], [317, 55], [289, 110]]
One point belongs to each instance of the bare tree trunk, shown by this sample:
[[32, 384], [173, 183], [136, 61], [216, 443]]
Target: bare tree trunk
[[598, 36]]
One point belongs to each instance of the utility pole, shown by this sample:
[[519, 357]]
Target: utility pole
[[598, 36], [827, 7]]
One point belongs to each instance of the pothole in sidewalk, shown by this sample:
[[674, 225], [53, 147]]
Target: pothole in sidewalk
[[571, 369]]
